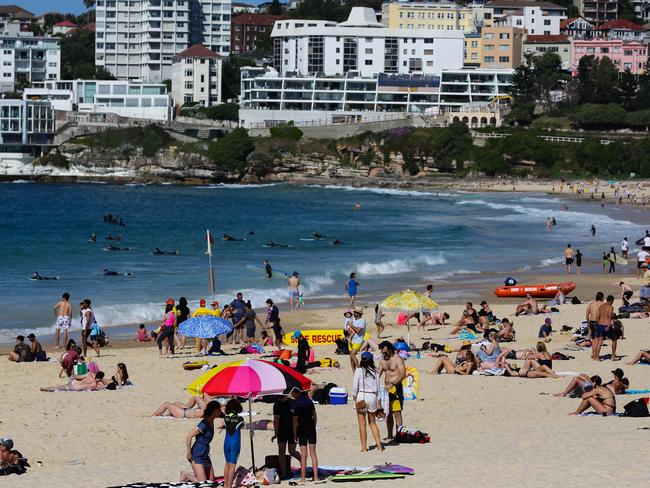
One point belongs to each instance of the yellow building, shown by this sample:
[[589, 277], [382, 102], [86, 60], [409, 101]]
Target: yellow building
[[424, 15], [501, 47], [472, 49]]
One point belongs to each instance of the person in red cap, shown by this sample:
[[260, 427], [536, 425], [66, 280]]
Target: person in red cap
[[215, 309], [202, 310]]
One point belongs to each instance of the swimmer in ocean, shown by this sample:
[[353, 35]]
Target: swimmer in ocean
[[275, 244], [93, 238], [159, 252], [108, 272], [114, 238], [318, 236], [336, 242], [267, 269]]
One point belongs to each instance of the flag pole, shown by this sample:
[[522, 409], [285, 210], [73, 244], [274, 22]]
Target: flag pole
[[210, 272]]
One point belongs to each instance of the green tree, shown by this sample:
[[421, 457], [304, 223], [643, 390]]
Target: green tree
[[231, 151], [231, 76], [224, 111], [547, 71], [585, 83], [627, 88], [452, 144], [524, 91], [286, 131], [604, 77], [626, 11], [276, 8], [595, 116], [89, 3]]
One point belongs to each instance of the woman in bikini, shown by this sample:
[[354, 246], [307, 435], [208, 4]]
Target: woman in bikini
[[530, 370], [465, 364], [601, 399], [542, 356], [81, 383], [643, 356], [180, 410]]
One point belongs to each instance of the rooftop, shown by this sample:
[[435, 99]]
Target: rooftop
[[547, 39], [65, 23], [523, 4], [621, 24], [197, 51], [362, 17], [16, 11]]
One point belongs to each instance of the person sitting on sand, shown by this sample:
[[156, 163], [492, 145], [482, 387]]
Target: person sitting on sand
[[142, 334], [642, 357], [467, 321], [600, 398], [546, 331], [506, 332], [579, 385], [198, 452], [542, 356], [528, 306], [514, 355], [37, 349], [466, 362], [84, 382], [529, 370], [121, 377], [488, 354], [69, 358], [22, 353], [485, 316]]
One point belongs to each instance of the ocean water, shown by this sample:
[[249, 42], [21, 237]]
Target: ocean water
[[396, 237]]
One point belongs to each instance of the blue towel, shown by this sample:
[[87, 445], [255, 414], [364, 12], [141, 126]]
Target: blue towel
[[636, 392]]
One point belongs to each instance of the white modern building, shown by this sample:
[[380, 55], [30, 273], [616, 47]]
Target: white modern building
[[268, 98], [363, 45], [26, 129], [196, 77], [137, 39], [536, 21], [26, 60], [145, 101]]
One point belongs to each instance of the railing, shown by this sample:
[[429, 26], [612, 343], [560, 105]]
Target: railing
[[503, 135], [352, 119]]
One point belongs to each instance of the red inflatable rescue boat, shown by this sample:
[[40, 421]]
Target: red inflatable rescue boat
[[536, 291]]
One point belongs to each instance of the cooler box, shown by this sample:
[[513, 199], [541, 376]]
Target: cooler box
[[338, 396]]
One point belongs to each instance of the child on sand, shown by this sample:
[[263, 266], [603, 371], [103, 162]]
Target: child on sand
[[232, 441], [142, 335]]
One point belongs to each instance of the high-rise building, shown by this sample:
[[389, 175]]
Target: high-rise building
[[598, 11], [26, 59], [137, 39]]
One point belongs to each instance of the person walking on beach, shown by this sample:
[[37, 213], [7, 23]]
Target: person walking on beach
[[611, 257], [351, 287], [366, 391], [273, 322], [166, 330], [198, 453], [568, 258], [604, 319], [625, 246], [248, 320], [358, 329], [578, 262], [182, 314], [238, 308], [304, 430], [87, 323], [393, 368], [283, 434], [626, 293], [63, 313], [294, 292]]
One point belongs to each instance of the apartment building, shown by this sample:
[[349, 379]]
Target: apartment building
[[363, 45], [473, 44], [598, 11], [147, 101], [249, 32], [137, 39], [26, 129], [533, 20], [621, 29], [631, 55], [642, 9], [577, 27], [501, 47], [560, 45], [439, 16], [26, 59], [196, 77], [532, 14]]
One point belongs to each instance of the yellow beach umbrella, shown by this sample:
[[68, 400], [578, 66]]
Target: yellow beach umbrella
[[195, 388], [408, 301]]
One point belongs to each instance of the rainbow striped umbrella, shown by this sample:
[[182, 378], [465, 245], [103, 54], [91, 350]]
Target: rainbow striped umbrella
[[249, 378]]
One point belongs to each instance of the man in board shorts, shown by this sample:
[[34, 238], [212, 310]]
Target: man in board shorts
[[394, 370], [568, 258], [63, 313]]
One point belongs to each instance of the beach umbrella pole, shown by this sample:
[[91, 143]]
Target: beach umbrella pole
[[250, 428]]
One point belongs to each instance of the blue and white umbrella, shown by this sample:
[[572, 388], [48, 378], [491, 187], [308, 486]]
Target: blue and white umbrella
[[205, 327]]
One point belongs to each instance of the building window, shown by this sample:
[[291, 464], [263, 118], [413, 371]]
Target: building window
[[547, 22], [604, 50], [428, 52], [368, 50], [368, 62], [489, 59], [504, 35], [504, 59], [189, 85]]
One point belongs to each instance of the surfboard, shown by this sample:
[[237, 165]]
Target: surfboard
[[618, 259], [411, 384], [366, 476], [639, 242], [318, 337], [49, 278]]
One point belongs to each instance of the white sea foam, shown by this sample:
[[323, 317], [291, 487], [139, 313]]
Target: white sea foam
[[450, 274], [237, 185], [527, 213], [395, 266], [381, 191]]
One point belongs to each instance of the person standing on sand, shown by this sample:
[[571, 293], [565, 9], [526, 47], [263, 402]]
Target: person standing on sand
[[273, 322], [294, 292], [357, 338], [304, 431], [393, 368], [63, 312], [87, 322], [568, 258], [641, 257], [578, 262], [604, 319], [625, 246], [283, 434], [591, 316], [366, 391], [351, 287], [198, 453]]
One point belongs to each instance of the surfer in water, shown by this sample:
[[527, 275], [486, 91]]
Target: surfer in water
[[114, 238], [159, 252], [93, 238], [317, 236], [116, 248], [38, 277], [228, 237], [108, 272], [267, 269], [336, 242], [275, 244], [593, 231]]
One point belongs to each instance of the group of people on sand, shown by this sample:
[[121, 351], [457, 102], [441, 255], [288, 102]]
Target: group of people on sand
[[239, 313], [91, 333]]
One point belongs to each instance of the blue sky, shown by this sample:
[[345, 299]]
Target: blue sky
[[38, 7]]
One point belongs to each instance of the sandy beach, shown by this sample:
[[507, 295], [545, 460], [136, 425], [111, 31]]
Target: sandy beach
[[484, 430]]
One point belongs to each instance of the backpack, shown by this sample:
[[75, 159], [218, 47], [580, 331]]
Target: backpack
[[322, 395], [575, 301], [637, 408], [342, 346]]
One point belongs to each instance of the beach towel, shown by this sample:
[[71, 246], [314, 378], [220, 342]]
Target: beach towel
[[466, 335], [636, 392]]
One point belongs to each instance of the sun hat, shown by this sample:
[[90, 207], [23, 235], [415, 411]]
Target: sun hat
[[358, 310], [345, 314], [467, 343]]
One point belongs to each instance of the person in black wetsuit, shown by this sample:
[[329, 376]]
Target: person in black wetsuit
[[267, 269], [303, 352]]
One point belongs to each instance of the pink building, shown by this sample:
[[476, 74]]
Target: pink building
[[625, 55]]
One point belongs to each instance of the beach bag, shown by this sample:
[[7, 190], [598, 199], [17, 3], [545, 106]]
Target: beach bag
[[322, 395], [93, 368], [342, 346], [637, 408], [268, 476], [575, 301], [244, 478], [80, 369]]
